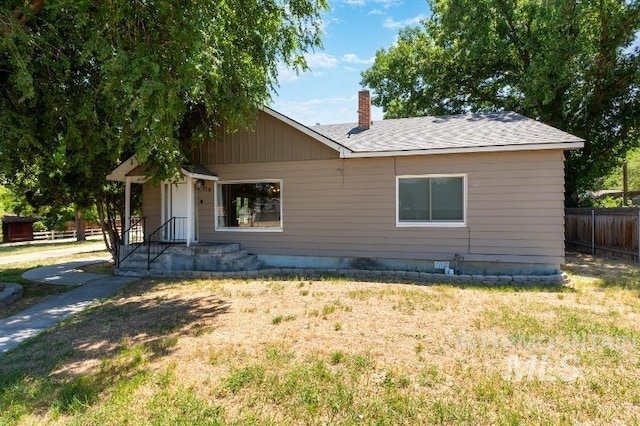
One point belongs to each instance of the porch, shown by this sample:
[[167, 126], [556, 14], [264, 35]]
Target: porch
[[179, 207], [173, 246], [148, 258], [168, 249]]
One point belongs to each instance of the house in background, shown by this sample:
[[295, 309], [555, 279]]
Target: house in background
[[486, 189]]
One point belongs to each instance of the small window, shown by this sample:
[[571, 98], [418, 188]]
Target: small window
[[431, 200], [249, 206]]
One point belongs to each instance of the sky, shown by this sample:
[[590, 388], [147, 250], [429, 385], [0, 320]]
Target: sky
[[354, 30]]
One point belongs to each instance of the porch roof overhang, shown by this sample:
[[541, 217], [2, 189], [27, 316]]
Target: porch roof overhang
[[129, 168], [198, 172], [132, 170]]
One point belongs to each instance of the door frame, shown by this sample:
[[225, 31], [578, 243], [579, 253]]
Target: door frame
[[167, 198]]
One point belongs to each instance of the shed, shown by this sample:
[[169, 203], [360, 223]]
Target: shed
[[17, 228]]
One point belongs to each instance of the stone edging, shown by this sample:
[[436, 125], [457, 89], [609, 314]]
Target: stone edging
[[412, 276], [9, 293]]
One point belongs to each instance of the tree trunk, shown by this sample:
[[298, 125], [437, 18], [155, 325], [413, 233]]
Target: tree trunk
[[80, 236], [108, 213]]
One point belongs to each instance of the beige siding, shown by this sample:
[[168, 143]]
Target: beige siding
[[151, 207], [347, 208], [270, 141]]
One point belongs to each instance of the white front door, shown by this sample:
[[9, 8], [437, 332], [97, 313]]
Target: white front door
[[176, 205]]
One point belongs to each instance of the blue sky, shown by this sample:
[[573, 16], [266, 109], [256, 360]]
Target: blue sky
[[353, 31]]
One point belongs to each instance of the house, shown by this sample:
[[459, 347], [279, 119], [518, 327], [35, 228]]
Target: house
[[485, 190]]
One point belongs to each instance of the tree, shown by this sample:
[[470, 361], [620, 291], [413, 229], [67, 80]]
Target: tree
[[85, 84], [570, 64], [613, 180]]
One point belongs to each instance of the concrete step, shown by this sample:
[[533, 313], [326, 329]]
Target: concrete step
[[142, 273], [200, 257], [247, 263], [133, 264], [206, 248]]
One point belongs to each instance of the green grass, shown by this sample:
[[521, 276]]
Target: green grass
[[6, 250]]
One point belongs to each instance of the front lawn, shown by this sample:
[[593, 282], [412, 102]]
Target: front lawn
[[339, 352], [36, 292], [34, 247]]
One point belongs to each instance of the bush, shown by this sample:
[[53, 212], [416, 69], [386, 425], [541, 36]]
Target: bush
[[39, 226]]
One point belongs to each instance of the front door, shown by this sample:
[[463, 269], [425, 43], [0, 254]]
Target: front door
[[176, 202]]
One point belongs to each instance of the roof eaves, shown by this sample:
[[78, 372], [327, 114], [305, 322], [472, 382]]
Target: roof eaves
[[198, 172], [119, 173], [466, 150], [343, 150]]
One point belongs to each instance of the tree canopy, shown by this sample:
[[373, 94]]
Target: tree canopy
[[570, 64], [614, 180], [84, 84]]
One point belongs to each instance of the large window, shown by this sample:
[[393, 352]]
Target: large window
[[249, 206], [431, 200]]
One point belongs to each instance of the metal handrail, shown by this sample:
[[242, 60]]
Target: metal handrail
[[134, 225], [167, 232], [135, 232]]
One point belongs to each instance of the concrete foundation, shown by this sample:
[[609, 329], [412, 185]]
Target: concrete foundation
[[460, 268]]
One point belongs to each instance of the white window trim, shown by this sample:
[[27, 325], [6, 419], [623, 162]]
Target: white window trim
[[432, 224], [238, 229]]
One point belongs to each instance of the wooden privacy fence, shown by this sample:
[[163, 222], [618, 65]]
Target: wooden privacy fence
[[604, 232]]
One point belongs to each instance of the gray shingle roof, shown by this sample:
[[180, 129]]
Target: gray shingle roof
[[500, 129]]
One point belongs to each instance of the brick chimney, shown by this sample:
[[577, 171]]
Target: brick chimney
[[364, 109]]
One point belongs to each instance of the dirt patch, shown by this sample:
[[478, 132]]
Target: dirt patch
[[585, 265]]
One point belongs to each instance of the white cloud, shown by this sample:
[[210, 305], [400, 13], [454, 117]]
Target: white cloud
[[317, 62], [376, 12], [352, 58], [320, 60], [383, 3], [392, 24], [286, 74], [388, 3], [327, 22], [333, 110]]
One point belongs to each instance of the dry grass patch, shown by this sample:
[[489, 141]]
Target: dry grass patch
[[332, 352], [106, 268]]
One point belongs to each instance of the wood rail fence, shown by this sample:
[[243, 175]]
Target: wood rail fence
[[605, 232], [54, 235]]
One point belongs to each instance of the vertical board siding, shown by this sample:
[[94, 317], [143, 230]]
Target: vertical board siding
[[271, 140], [347, 207], [606, 232]]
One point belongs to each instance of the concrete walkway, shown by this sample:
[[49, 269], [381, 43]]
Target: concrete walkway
[[37, 318], [52, 253]]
